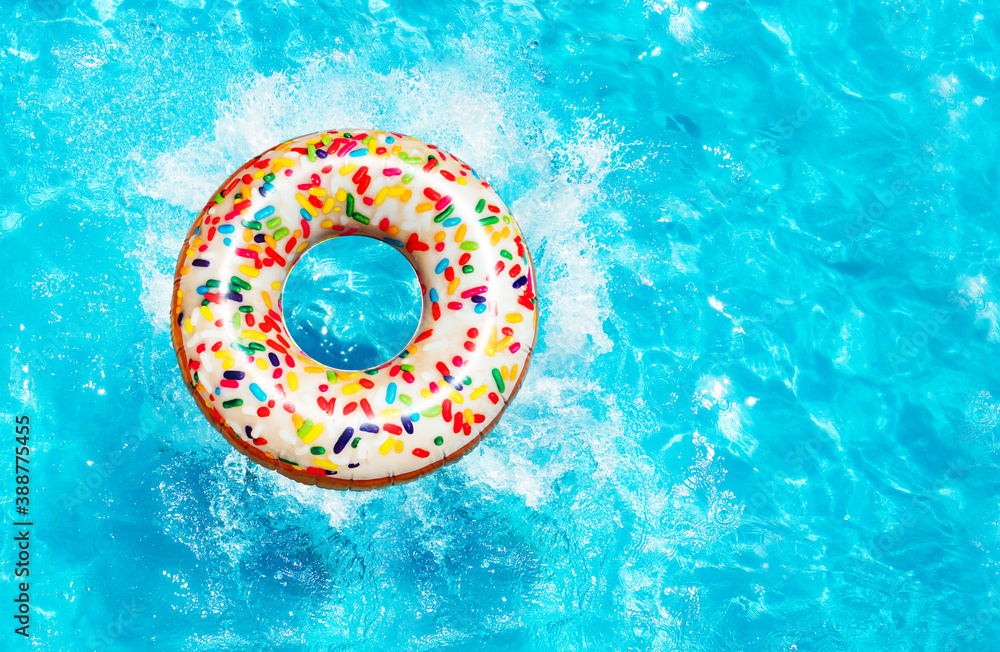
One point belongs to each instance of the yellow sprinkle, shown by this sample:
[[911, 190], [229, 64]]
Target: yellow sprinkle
[[396, 191], [313, 433], [299, 197], [344, 171], [491, 350], [353, 388], [460, 233], [327, 207], [255, 335], [440, 236], [312, 369], [380, 197], [341, 194], [453, 285], [246, 190], [455, 396], [318, 192], [223, 354], [260, 174], [506, 232], [495, 239], [396, 149], [493, 335], [513, 373], [345, 375], [185, 270], [279, 163], [301, 247], [261, 364], [399, 446], [503, 371], [424, 207], [389, 414], [228, 363], [469, 416], [327, 224], [387, 446], [411, 349], [324, 464], [426, 393], [252, 272], [479, 391], [297, 421], [188, 326], [197, 243], [393, 230], [505, 342], [276, 285], [406, 195], [247, 235], [269, 240], [488, 228], [460, 181], [514, 318], [207, 314], [293, 384], [256, 247], [267, 300]]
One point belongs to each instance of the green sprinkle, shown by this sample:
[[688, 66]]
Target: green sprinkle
[[443, 215], [404, 354], [506, 254], [467, 380], [406, 367], [481, 205], [405, 399], [274, 223], [317, 450], [431, 411], [246, 308], [438, 440], [204, 302], [269, 177], [468, 245], [354, 444], [245, 349], [281, 233], [237, 281], [251, 224], [304, 430], [311, 152], [295, 464], [408, 177], [499, 380], [212, 283], [236, 320], [233, 402], [350, 204], [219, 198], [468, 269], [326, 139], [486, 221], [361, 218], [257, 346], [331, 375]]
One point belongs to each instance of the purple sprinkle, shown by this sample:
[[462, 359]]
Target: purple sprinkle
[[198, 262]]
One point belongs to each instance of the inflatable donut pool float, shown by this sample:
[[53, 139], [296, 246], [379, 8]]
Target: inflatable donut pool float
[[339, 429]]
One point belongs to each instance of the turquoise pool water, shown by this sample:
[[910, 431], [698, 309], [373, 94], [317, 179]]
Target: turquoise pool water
[[761, 414]]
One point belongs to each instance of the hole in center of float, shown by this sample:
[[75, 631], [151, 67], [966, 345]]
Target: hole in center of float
[[352, 302]]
